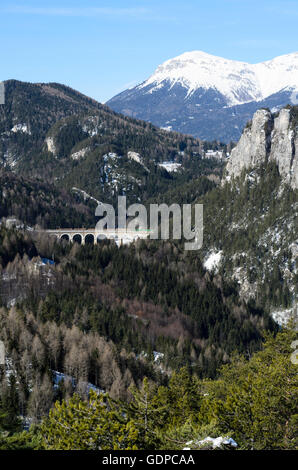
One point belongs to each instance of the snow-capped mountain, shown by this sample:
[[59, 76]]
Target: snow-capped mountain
[[239, 82], [208, 96]]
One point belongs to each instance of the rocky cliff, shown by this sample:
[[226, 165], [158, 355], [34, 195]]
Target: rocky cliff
[[268, 137]]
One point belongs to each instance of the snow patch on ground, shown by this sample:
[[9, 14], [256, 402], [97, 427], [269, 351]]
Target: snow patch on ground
[[284, 315], [158, 356], [212, 261], [214, 442], [20, 128], [170, 166], [60, 376]]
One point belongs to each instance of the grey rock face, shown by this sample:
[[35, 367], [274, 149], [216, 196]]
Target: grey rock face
[[267, 139], [253, 146], [294, 169], [282, 144]]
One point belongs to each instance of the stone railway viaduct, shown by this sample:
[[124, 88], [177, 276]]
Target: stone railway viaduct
[[84, 235]]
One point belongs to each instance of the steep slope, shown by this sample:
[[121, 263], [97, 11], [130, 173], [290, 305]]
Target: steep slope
[[268, 138], [28, 113], [255, 212], [210, 97], [54, 133], [31, 113], [34, 202]]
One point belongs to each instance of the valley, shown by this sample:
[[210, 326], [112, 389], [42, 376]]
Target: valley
[[145, 316]]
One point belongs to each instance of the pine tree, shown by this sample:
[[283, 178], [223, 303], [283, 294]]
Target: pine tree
[[9, 407], [257, 400], [93, 425], [147, 412]]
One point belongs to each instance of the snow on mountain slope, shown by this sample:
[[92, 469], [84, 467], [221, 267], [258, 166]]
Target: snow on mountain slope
[[277, 74], [239, 82], [210, 97]]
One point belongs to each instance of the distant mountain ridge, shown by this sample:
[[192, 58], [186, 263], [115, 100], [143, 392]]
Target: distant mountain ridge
[[210, 97]]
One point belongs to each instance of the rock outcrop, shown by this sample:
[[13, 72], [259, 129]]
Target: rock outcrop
[[50, 143], [268, 138]]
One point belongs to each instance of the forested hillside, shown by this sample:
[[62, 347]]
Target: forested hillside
[[53, 133], [85, 316], [34, 202], [258, 245], [251, 406]]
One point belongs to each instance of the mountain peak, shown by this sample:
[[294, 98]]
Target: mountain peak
[[209, 96], [240, 82], [197, 69]]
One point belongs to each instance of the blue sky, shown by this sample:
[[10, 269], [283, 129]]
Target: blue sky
[[102, 47]]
